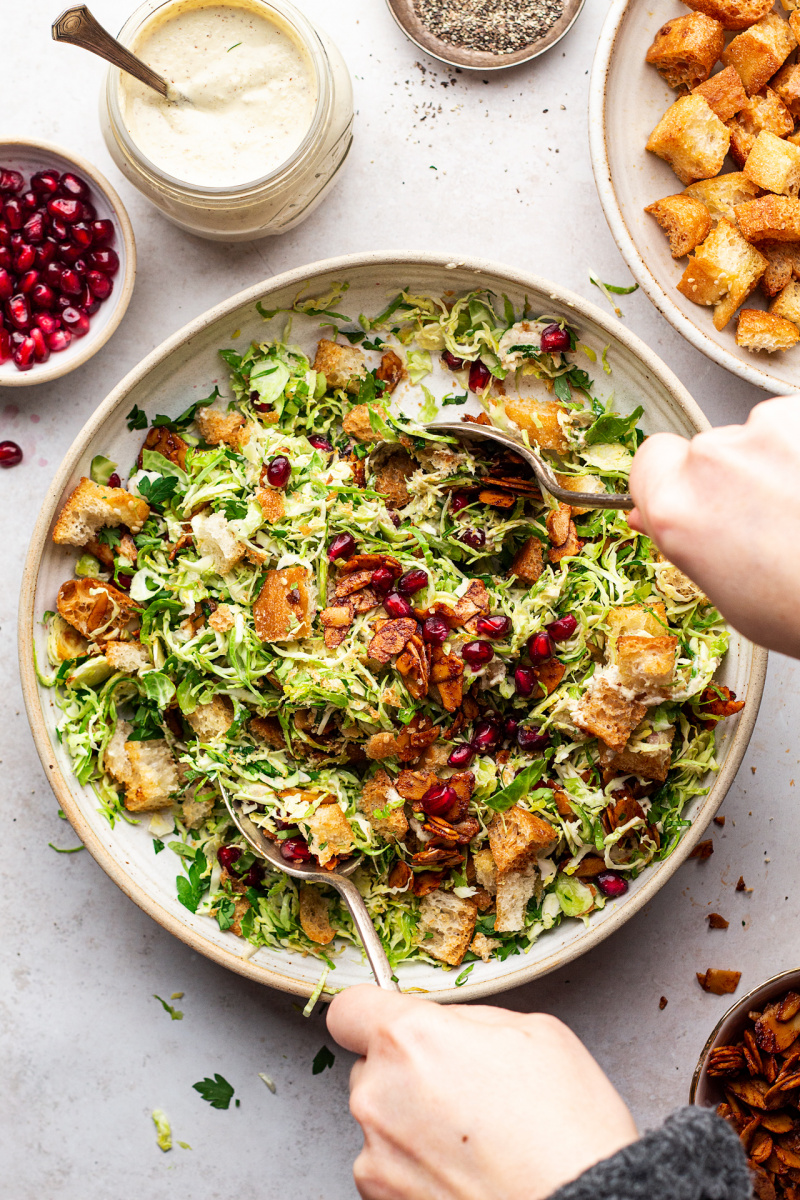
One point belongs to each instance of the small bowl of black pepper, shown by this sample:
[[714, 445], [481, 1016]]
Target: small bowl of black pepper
[[485, 35]]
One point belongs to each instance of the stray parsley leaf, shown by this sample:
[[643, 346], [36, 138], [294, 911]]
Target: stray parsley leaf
[[446, 400], [611, 428], [173, 1012], [562, 389], [184, 419], [235, 510], [518, 788], [157, 491], [217, 1091], [137, 418], [226, 911], [158, 845], [322, 1059], [108, 536], [191, 886]]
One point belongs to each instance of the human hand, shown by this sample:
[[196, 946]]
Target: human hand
[[725, 509], [471, 1103]]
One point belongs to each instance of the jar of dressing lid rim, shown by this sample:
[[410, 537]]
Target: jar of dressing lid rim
[[267, 126]]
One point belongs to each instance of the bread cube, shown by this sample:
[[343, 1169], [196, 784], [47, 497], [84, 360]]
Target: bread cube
[[281, 610], [787, 303], [721, 195], [645, 662], [313, 913], [218, 427], [794, 18], [652, 761], [783, 260], [213, 720], [98, 610], [446, 926], [765, 110], [91, 507], [147, 770], [732, 14], [607, 715], [127, 657], [342, 365], [516, 837], [375, 796], [724, 93], [769, 218], [330, 833], [685, 221], [485, 870], [786, 84], [774, 165], [528, 565], [758, 330], [760, 51], [723, 271], [213, 536], [685, 50], [540, 419], [514, 890], [631, 619], [691, 138]]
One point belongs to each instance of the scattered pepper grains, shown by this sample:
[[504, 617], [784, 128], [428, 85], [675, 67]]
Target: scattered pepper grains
[[496, 26]]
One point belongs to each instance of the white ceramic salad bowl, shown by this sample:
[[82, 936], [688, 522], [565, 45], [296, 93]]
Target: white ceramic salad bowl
[[185, 368]]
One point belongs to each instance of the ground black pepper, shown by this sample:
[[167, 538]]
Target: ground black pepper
[[496, 26]]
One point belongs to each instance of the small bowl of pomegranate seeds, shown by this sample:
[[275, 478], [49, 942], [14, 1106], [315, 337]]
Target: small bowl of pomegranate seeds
[[67, 262]]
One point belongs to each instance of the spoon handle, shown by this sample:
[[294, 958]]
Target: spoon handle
[[78, 27], [375, 952]]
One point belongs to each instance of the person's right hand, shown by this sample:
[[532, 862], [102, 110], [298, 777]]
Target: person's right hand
[[725, 509]]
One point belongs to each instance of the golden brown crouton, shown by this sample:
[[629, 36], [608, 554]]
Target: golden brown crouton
[[392, 476], [330, 835], [484, 946], [685, 221], [147, 770], [216, 427], [127, 657], [724, 93], [514, 890], [732, 14], [774, 164], [607, 715], [685, 50], [763, 111], [343, 366], [528, 564], [222, 619], [691, 138], [281, 611], [758, 330], [272, 504], [720, 195], [91, 506], [787, 303], [314, 915], [381, 746], [96, 609], [475, 602], [446, 926], [213, 720], [786, 84], [485, 870], [213, 536], [650, 762], [632, 619], [783, 260], [645, 662], [375, 797], [540, 418], [357, 424], [269, 730], [770, 218], [195, 813], [724, 270], [760, 51], [516, 837]]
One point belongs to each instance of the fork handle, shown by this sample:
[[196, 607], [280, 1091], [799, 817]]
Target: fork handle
[[373, 947]]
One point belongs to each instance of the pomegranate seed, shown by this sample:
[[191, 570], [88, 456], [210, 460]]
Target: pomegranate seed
[[59, 229], [25, 354], [254, 876], [6, 284], [563, 628], [487, 736], [63, 302], [41, 295], [46, 252], [540, 647], [459, 500], [103, 233], [382, 580], [69, 253], [493, 627], [59, 340], [17, 239], [63, 208], [82, 235], [52, 274], [18, 312], [474, 538], [611, 884], [320, 443], [342, 546], [73, 187], [462, 756], [295, 850], [5, 234], [40, 347], [88, 212], [555, 340], [89, 302], [524, 681], [25, 257], [279, 470], [70, 283], [76, 321], [46, 321], [455, 364], [12, 211], [10, 181], [104, 260], [28, 281], [124, 581], [439, 799], [17, 338], [45, 183], [5, 344], [397, 606], [477, 654], [34, 229], [6, 261], [79, 267], [529, 738], [510, 727], [29, 202], [412, 582], [228, 855], [435, 631], [114, 480], [394, 518], [10, 454], [479, 376]]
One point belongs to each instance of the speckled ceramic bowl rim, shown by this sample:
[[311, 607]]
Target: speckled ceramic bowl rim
[[57, 366], [118, 397], [618, 12]]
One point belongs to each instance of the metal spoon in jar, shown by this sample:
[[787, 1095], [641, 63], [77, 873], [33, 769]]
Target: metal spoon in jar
[[78, 27], [545, 476], [337, 879]]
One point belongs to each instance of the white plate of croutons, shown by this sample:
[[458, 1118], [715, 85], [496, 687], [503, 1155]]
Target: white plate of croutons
[[695, 144]]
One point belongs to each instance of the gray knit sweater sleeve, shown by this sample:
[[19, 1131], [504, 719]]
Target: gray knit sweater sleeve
[[694, 1156]]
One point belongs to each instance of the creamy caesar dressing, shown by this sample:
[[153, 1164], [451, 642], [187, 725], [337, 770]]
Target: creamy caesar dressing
[[251, 89]]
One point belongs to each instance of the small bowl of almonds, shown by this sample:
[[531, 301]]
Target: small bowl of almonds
[[749, 1071]]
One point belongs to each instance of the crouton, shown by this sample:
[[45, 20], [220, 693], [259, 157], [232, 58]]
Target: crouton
[[652, 761], [607, 715], [787, 303], [783, 259], [392, 476], [115, 760], [381, 746], [330, 834], [724, 270], [375, 796], [774, 165], [314, 917], [272, 504], [591, 484], [516, 837], [685, 221], [475, 602], [720, 195], [691, 138], [282, 609], [96, 609], [645, 662], [222, 619], [269, 730], [213, 536], [484, 946], [765, 111], [216, 427], [540, 419], [635, 618], [685, 49], [391, 371], [528, 563], [760, 51], [127, 657], [147, 770], [786, 84], [514, 890], [732, 14], [770, 218], [724, 93], [195, 813], [91, 507], [343, 366], [357, 424], [213, 720], [446, 926], [758, 330], [485, 870], [167, 443]]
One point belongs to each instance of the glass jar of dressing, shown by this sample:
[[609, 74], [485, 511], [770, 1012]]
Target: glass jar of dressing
[[264, 126]]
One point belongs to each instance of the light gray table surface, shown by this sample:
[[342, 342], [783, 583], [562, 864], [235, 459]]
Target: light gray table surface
[[466, 164]]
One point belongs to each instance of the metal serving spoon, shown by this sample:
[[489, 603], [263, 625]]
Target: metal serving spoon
[[338, 879], [541, 470], [78, 27]]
